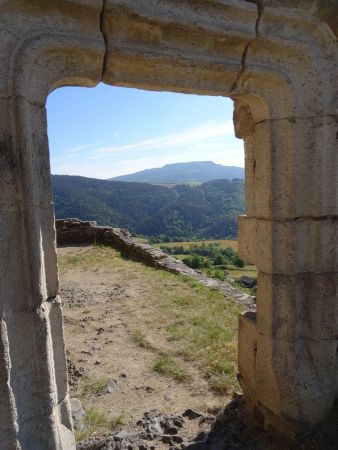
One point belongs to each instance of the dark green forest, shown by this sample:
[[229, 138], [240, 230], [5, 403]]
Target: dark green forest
[[207, 211]]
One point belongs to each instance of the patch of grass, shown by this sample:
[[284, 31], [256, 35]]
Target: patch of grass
[[182, 301], [216, 273], [92, 257], [166, 366], [191, 282], [248, 270], [98, 422], [94, 387], [176, 331], [239, 285], [117, 420], [141, 340], [207, 334]]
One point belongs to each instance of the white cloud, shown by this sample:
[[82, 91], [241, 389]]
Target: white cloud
[[212, 140], [207, 130], [80, 148]]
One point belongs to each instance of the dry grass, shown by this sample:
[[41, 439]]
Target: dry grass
[[93, 258], [222, 243], [93, 387], [165, 365], [250, 271], [142, 341], [198, 324], [97, 422], [203, 330]]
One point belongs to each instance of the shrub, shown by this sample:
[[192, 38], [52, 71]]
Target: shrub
[[237, 261], [195, 261], [219, 260]]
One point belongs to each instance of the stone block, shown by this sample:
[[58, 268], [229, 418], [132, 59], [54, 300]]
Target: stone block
[[289, 247], [191, 59], [33, 344], [48, 45], [303, 306], [294, 380], [293, 168], [297, 319]]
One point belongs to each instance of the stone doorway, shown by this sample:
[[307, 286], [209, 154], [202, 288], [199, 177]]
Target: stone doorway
[[278, 61]]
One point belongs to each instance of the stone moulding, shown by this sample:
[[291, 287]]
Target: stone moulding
[[277, 59]]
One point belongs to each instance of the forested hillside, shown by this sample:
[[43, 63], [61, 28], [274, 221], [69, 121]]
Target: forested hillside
[[183, 212]]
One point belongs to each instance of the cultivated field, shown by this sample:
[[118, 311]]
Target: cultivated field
[[223, 243], [235, 272]]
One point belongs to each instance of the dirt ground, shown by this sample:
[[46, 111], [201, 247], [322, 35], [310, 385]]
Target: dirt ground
[[104, 308], [115, 330]]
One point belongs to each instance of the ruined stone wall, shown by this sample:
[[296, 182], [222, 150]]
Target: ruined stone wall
[[277, 59], [75, 231]]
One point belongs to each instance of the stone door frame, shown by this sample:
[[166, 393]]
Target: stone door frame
[[279, 65]]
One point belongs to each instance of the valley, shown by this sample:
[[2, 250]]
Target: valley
[[183, 212]]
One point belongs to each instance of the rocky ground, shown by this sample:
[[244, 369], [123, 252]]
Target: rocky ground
[[115, 336]]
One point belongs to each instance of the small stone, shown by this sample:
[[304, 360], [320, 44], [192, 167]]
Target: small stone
[[121, 435], [166, 439], [177, 439], [191, 414], [201, 436], [171, 430], [206, 419], [155, 426], [178, 422], [111, 386], [79, 372], [78, 414]]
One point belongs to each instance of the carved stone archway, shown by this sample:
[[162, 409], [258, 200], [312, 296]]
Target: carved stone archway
[[278, 60]]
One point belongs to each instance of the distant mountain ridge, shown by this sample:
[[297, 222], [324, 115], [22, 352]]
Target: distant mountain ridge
[[200, 212], [181, 173]]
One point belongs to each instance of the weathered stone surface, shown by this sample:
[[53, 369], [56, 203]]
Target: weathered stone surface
[[247, 348], [292, 246], [278, 60]]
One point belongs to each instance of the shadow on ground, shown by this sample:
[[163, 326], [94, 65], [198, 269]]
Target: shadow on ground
[[230, 431]]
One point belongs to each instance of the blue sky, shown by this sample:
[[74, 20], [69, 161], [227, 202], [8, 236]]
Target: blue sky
[[107, 131]]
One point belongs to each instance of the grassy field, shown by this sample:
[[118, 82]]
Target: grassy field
[[223, 243], [235, 272], [198, 325]]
